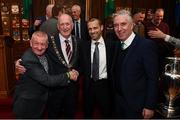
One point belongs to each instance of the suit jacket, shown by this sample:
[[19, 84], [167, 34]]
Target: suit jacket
[[34, 83], [174, 41], [32, 29], [56, 66], [84, 30], [50, 26], [85, 55], [139, 74]]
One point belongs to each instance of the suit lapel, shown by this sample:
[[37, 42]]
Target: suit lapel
[[58, 44]]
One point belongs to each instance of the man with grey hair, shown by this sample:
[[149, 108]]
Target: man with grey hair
[[31, 93], [80, 25], [134, 71]]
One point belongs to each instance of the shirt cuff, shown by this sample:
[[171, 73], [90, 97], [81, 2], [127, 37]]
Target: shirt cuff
[[167, 38]]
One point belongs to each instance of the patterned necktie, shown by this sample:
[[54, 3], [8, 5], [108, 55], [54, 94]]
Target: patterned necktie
[[44, 62], [68, 50], [95, 70], [77, 29]]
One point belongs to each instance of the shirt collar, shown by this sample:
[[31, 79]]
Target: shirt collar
[[63, 38], [101, 40], [129, 40]]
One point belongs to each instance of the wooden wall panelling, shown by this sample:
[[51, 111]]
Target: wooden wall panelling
[[7, 68]]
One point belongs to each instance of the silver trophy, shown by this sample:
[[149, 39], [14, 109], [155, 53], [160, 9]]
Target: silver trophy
[[171, 88]]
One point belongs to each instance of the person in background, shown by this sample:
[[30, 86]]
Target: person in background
[[138, 18], [164, 49], [80, 25], [50, 25], [159, 34], [31, 92], [134, 71], [96, 87], [39, 20]]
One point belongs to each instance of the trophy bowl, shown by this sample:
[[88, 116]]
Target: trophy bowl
[[170, 108]]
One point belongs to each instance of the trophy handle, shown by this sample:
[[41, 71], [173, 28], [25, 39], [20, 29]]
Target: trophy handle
[[168, 68]]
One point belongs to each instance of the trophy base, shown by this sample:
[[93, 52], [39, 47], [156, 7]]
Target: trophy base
[[168, 112]]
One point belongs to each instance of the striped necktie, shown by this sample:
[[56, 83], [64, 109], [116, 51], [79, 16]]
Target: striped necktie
[[68, 50]]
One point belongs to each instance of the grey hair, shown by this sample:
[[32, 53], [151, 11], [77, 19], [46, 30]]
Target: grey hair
[[122, 13]]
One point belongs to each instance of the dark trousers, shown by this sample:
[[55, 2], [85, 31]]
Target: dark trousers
[[62, 101], [24, 108], [98, 94], [123, 110]]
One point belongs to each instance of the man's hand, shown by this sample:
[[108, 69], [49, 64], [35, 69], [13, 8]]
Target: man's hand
[[156, 34], [73, 74], [147, 113], [19, 68], [37, 22]]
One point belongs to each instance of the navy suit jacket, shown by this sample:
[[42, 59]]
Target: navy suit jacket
[[55, 65], [138, 78]]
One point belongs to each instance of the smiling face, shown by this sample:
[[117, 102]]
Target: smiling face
[[158, 16], [65, 25], [39, 43], [76, 12], [123, 26], [95, 29]]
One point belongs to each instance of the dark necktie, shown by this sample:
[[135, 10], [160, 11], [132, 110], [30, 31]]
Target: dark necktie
[[77, 29], [68, 50], [95, 70]]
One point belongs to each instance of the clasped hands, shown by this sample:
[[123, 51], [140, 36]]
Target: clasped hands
[[20, 69], [73, 74]]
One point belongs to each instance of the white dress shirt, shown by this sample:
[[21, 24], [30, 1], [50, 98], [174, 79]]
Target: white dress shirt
[[128, 41], [102, 58], [63, 46]]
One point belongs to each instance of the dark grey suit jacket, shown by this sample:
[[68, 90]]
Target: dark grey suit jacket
[[35, 81]]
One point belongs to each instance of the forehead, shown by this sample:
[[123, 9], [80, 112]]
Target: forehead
[[93, 23], [120, 18], [159, 13], [75, 8], [64, 19]]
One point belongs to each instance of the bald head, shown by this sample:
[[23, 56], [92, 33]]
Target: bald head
[[65, 25], [158, 16], [49, 10]]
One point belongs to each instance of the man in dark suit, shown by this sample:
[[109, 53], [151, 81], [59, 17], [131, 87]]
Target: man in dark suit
[[135, 71], [96, 91], [63, 53], [80, 25], [31, 91]]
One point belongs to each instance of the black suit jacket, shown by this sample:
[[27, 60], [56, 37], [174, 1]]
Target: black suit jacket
[[85, 54], [34, 83], [139, 74], [84, 30], [55, 65]]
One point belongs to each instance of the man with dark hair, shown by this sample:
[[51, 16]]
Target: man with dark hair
[[138, 18], [96, 61]]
